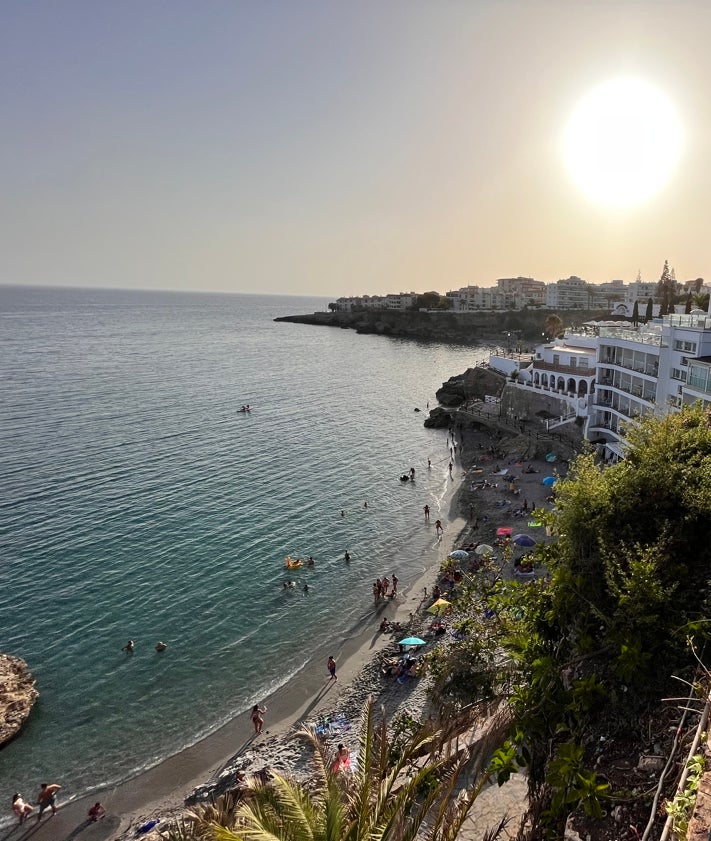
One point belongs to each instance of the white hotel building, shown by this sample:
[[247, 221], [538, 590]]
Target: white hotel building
[[614, 373]]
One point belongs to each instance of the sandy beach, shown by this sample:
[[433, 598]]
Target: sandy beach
[[209, 766]]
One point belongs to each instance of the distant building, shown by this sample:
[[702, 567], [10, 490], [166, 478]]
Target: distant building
[[570, 293]]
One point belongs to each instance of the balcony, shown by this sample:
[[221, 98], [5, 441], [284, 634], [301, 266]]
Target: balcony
[[539, 365]]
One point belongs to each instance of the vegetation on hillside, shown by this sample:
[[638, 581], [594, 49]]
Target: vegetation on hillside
[[583, 654]]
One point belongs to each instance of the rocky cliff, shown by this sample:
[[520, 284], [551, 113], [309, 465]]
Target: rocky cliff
[[17, 696], [468, 328]]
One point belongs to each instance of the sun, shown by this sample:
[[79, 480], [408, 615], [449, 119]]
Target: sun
[[622, 142]]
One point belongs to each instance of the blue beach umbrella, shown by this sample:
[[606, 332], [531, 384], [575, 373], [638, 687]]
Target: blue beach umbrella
[[459, 555], [523, 540], [549, 480], [412, 641]]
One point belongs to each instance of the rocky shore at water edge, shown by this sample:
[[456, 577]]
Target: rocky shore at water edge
[[18, 694]]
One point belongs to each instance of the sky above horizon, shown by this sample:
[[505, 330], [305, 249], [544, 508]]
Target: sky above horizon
[[333, 148]]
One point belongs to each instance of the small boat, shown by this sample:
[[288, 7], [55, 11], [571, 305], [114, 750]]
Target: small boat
[[293, 563]]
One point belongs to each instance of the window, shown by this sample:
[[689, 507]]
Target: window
[[684, 360], [687, 347], [678, 374], [573, 362], [556, 359]]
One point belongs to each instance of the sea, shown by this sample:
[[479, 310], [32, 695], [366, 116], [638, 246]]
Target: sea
[[138, 502]]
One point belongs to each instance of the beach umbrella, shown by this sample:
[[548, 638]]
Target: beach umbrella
[[484, 549], [412, 641], [551, 457], [523, 540], [549, 480], [459, 555], [504, 531], [440, 606]]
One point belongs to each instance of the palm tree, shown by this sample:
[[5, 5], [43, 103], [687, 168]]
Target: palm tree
[[553, 325], [395, 791]]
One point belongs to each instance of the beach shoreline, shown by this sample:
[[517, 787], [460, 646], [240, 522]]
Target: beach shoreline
[[162, 791]]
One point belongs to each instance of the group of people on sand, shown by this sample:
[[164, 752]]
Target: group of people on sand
[[46, 799], [384, 589]]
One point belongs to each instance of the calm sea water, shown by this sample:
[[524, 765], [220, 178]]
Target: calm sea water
[[136, 501]]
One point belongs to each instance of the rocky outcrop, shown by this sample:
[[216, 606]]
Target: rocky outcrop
[[438, 418], [474, 382], [17, 696], [469, 328]]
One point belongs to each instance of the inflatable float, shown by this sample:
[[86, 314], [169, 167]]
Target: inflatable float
[[293, 563]]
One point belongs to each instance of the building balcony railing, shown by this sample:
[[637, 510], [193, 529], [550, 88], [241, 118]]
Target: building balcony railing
[[646, 370], [540, 365]]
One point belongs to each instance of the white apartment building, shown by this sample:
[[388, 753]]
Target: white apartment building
[[570, 293], [644, 370], [567, 368]]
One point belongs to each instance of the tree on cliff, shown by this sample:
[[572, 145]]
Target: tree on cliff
[[666, 288], [649, 313], [553, 325], [432, 301], [635, 314]]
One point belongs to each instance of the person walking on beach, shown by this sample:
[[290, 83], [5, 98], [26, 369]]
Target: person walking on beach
[[438, 527], [47, 799], [394, 590], [257, 720], [331, 665], [20, 808], [427, 512], [450, 469]]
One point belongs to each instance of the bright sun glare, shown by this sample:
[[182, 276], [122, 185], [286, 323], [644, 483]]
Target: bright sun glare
[[622, 142]]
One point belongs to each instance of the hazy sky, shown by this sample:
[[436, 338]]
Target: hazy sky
[[334, 147]]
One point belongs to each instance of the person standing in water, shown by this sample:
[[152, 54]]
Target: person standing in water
[[20, 808], [47, 799], [427, 512], [438, 527], [347, 557]]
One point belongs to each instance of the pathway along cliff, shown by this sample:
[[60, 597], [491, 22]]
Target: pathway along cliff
[[17, 696]]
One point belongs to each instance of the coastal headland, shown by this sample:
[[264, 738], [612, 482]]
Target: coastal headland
[[447, 326]]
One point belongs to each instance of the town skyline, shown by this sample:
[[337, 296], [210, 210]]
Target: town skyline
[[321, 149]]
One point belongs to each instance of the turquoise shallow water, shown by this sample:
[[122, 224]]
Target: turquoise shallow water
[[136, 501]]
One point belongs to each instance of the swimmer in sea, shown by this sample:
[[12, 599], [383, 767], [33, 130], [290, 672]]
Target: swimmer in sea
[[347, 557], [161, 646], [129, 647]]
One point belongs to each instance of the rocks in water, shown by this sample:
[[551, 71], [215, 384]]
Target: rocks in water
[[17, 696], [439, 418]]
